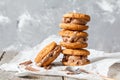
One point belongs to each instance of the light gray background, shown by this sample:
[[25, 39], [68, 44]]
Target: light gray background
[[28, 22]]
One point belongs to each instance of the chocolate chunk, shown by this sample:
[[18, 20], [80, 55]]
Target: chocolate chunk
[[74, 39], [81, 56], [72, 60], [50, 55], [77, 62], [26, 62]]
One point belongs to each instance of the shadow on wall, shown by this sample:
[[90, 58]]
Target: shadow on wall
[[29, 24]]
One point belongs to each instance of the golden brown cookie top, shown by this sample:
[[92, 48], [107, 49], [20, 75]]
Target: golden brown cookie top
[[73, 33], [74, 27], [75, 52], [77, 15], [75, 45]]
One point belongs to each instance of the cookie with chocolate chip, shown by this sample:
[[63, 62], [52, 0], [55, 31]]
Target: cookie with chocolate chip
[[74, 27], [72, 17], [73, 36], [74, 45], [48, 54], [72, 60], [75, 57], [70, 33], [76, 52], [78, 63]]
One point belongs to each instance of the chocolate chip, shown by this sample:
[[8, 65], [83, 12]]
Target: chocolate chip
[[71, 39], [50, 55], [73, 60], [77, 62], [81, 56], [85, 39]]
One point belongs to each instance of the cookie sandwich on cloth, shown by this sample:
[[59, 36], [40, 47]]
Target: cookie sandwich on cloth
[[48, 54]]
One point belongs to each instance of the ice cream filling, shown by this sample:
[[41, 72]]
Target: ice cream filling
[[72, 39], [74, 21], [78, 60], [50, 55]]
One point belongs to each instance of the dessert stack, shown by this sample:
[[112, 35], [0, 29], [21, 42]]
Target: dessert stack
[[74, 37]]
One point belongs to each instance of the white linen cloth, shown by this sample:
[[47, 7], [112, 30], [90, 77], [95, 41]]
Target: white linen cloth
[[99, 66]]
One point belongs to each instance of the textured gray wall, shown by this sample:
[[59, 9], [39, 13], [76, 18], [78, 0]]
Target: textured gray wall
[[28, 22]]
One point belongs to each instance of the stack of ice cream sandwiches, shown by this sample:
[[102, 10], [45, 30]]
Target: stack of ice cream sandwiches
[[74, 37]]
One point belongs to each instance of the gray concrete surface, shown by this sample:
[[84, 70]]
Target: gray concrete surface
[[28, 22]]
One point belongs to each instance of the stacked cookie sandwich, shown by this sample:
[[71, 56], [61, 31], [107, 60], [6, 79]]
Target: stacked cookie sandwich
[[74, 39]]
